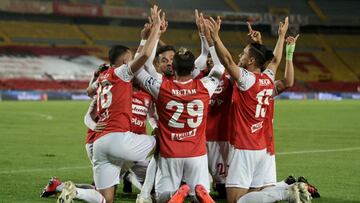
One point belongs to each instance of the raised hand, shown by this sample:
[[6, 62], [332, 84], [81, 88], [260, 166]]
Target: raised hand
[[283, 27], [254, 35], [156, 16], [290, 47], [214, 27], [290, 40], [164, 24], [145, 32], [199, 22]]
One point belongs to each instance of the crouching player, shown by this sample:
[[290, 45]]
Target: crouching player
[[182, 106]]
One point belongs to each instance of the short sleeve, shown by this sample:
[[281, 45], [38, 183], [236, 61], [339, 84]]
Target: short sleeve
[[124, 72], [210, 83], [270, 73], [246, 80], [150, 83]]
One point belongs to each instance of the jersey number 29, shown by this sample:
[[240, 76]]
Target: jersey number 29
[[190, 108]]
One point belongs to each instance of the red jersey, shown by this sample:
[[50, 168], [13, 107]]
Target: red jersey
[[269, 130], [114, 101], [218, 117], [249, 109], [90, 136], [141, 102], [182, 108]]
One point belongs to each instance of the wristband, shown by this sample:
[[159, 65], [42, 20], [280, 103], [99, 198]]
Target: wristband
[[290, 48], [142, 42]]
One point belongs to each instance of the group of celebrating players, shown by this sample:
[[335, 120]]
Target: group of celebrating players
[[209, 115]]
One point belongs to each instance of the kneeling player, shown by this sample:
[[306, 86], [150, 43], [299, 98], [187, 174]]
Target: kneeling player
[[182, 108]]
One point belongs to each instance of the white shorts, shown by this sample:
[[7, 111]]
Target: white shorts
[[218, 152], [139, 170], [270, 176], [89, 151], [171, 171], [113, 150], [247, 168]]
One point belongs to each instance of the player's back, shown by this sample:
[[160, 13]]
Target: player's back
[[182, 108], [114, 102], [249, 109]]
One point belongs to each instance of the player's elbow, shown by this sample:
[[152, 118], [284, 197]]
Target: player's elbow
[[90, 92]]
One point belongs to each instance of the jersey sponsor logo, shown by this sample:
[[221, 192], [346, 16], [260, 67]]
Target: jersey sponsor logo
[[181, 136], [264, 82], [256, 126], [137, 122], [139, 110], [183, 92], [218, 102]]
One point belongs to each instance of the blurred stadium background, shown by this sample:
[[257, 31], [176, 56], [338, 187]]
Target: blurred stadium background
[[53, 46], [49, 49]]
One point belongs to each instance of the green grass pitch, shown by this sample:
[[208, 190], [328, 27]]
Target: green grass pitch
[[320, 140]]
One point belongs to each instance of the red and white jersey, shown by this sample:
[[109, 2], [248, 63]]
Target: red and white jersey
[[269, 130], [182, 109], [219, 110], [141, 104], [249, 107], [90, 136], [114, 99]]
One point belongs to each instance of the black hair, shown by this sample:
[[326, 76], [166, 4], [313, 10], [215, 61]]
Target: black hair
[[116, 51], [165, 48], [183, 62], [261, 54]]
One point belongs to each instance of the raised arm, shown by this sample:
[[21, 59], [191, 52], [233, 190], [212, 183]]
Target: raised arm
[[278, 51], [218, 70], [254, 35], [288, 80], [145, 32], [223, 54], [149, 45], [200, 62]]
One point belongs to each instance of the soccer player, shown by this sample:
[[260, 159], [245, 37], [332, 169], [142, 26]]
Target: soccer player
[[217, 135], [182, 108], [116, 144], [253, 86]]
